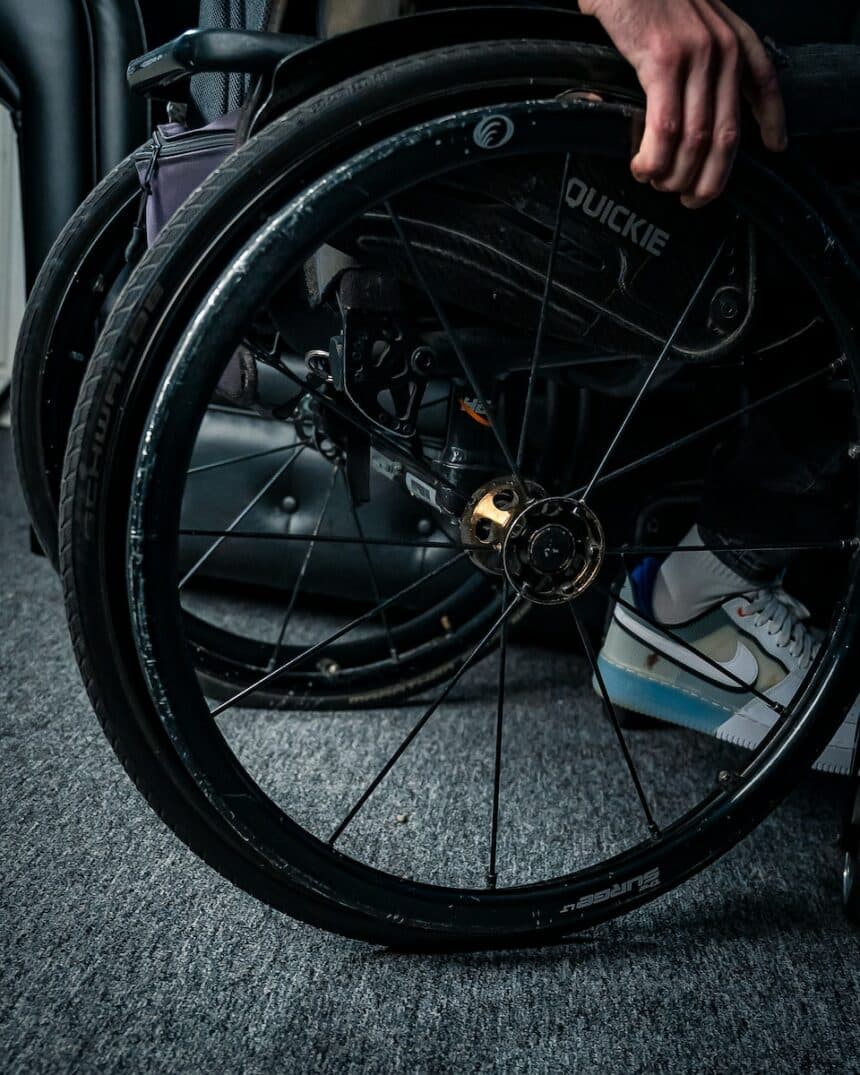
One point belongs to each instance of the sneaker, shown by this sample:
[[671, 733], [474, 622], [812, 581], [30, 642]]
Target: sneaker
[[754, 640]]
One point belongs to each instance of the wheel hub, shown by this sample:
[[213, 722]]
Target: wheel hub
[[553, 550], [549, 548]]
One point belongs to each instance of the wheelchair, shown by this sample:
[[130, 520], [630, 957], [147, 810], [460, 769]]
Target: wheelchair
[[414, 377]]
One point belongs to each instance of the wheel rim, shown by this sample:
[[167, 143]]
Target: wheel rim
[[571, 894]]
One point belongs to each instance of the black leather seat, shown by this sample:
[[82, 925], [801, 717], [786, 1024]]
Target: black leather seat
[[62, 74], [66, 61]]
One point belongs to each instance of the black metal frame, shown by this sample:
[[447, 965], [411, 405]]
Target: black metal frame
[[253, 52]]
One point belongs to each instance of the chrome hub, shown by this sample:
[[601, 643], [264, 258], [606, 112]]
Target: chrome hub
[[489, 514], [550, 548], [553, 550]]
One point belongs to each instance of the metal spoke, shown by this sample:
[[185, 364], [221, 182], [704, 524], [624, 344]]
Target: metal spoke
[[836, 545], [455, 344], [294, 596], [268, 535], [428, 713], [492, 874], [242, 458], [242, 514], [568, 292], [689, 438], [652, 373], [542, 315], [616, 724], [777, 707], [276, 673], [374, 581], [792, 337]]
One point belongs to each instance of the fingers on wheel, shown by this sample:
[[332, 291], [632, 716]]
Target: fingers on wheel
[[662, 81], [693, 87], [716, 164], [678, 78]]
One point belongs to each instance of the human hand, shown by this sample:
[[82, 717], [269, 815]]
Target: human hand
[[694, 59]]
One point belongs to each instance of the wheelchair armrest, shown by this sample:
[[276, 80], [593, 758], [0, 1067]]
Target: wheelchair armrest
[[252, 52], [821, 88]]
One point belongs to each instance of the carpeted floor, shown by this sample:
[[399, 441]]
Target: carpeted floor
[[122, 952]]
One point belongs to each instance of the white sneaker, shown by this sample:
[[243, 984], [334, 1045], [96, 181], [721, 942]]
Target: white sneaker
[[756, 640]]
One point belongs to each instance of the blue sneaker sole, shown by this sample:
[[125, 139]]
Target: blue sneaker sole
[[660, 700]]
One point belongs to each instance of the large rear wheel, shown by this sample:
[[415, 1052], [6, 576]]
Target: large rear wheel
[[502, 250]]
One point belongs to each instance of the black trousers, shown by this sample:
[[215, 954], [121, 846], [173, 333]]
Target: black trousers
[[777, 483], [763, 487], [800, 22]]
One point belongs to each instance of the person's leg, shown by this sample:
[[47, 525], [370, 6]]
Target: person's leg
[[773, 482], [761, 489], [776, 482], [328, 265], [770, 485], [798, 24]]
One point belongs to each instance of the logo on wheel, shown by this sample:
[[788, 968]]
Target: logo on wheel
[[493, 132]]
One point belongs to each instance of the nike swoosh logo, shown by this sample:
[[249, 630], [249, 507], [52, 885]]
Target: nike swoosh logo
[[743, 665]]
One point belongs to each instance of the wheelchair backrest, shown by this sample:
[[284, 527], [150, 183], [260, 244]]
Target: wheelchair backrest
[[214, 94]]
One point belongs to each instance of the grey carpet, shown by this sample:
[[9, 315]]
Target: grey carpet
[[122, 952]]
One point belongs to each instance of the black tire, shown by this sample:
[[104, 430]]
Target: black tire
[[57, 337], [99, 469]]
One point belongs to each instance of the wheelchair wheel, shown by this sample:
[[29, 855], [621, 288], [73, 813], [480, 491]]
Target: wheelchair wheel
[[487, 234], [66, 308]]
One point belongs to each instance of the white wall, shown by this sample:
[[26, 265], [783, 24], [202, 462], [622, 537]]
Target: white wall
[[11, 246]]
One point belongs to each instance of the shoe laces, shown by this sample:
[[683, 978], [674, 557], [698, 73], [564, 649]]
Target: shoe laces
[[783, 616]]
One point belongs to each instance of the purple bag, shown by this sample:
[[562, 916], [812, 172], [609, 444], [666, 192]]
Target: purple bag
[[178, 162]]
